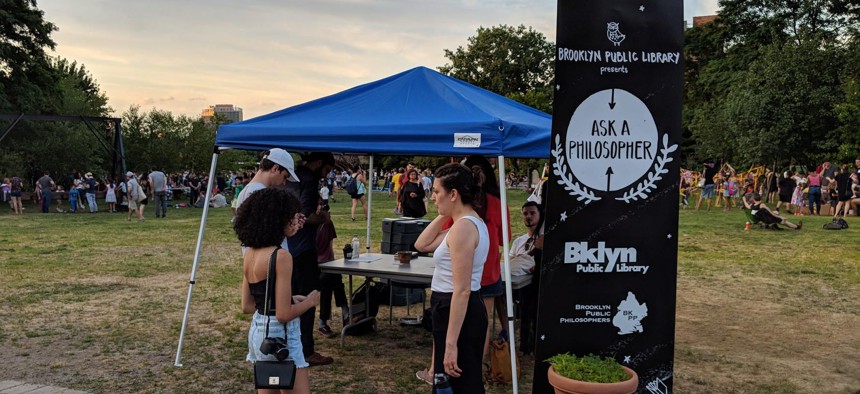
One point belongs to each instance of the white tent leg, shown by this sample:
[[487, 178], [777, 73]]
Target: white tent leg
[[509, 295], [178, 362], [369, 201]]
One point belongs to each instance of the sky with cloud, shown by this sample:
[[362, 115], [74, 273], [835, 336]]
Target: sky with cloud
[[266, 55]]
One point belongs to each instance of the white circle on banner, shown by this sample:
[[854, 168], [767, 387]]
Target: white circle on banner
[[611, 140]]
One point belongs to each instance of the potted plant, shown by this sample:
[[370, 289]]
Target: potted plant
[[590, 375]]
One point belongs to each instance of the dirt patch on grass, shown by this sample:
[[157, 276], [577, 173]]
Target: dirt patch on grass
[[100, 309]]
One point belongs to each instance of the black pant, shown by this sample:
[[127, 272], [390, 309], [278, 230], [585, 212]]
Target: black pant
[[528, 317], [331, 283], [306, 275], [470, 343]]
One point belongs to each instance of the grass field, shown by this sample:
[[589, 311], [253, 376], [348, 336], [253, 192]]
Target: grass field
[[93, 302]]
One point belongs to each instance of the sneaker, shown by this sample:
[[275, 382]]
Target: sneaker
[[425, 376], [327, 332], [799, 224], [318, 359]]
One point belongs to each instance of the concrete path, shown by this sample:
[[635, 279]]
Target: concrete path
[[15, 387]]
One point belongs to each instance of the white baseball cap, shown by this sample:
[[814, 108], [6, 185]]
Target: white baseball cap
[[283, 159]]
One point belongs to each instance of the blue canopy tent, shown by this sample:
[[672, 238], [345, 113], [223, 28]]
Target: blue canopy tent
[[416, 112]]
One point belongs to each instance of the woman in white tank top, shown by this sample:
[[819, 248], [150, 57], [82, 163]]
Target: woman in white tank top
[[459, 316]]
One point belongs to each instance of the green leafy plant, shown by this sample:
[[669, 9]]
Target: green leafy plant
[[588, 368]]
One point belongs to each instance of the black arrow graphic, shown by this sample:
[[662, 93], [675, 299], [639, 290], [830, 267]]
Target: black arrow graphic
[[612, 102], [608, 178]]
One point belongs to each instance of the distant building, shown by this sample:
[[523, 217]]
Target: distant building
[[701, 20], [227, 111]]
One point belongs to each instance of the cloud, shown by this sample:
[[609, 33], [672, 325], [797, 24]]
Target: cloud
[[269, 54], [149, 101]]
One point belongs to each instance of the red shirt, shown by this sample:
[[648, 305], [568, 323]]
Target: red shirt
[[493, 220]]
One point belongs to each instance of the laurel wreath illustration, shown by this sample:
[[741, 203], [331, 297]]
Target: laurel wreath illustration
[[649, 183], [641, 190], [560, 168]]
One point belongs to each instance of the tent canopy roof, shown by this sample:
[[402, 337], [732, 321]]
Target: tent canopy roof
[[415, 112]]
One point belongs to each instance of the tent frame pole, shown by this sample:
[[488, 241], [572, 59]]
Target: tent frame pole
[[505, 255], [200, 233], [369, 202]]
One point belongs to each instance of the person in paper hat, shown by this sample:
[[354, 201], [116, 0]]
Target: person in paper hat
[[90, 192], [134, 191]]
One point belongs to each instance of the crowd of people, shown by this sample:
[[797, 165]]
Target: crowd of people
[[826, 189], [282, 221], [131, 193]]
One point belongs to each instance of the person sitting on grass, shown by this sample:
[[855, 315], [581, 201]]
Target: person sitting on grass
[[765, 215]]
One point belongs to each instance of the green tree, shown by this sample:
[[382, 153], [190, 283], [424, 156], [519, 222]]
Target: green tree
[[516, 62], [71, 146], [159, 139], [26, 80], [783, 108], [848, 111], [764, 81]]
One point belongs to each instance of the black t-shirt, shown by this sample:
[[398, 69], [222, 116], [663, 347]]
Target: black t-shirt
[[710, 172], [828, 173], [843, 184], [413, 206], [91, 183], [308, 194], [786, 188]]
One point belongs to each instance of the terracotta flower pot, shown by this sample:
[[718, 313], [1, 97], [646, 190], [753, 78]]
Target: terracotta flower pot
[[565, 385]]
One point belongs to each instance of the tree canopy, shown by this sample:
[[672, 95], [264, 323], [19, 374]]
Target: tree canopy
[[770, 81], [515, 62], [26, 80]]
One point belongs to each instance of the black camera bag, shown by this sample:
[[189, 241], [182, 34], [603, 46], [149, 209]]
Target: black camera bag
[[273, 374]]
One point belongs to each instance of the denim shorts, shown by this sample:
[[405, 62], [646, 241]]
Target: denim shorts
[[258, 331], [493, 290], [708, 191]]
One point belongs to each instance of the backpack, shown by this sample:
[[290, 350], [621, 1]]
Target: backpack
[[836, 224], [351, 186], [358, 311]]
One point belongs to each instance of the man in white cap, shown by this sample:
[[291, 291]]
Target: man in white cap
[[276, 168]]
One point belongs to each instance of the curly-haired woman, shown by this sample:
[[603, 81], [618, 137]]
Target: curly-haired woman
[[262, 222]]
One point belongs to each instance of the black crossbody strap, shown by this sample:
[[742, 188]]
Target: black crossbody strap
[[270, 289]]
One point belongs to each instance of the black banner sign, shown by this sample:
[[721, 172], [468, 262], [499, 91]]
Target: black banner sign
[[610, 256]]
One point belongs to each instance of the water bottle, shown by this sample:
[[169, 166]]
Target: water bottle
[[356, 245], [442, 382]]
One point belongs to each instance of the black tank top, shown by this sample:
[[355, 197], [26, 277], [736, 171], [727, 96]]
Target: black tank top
[[258, 290]]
